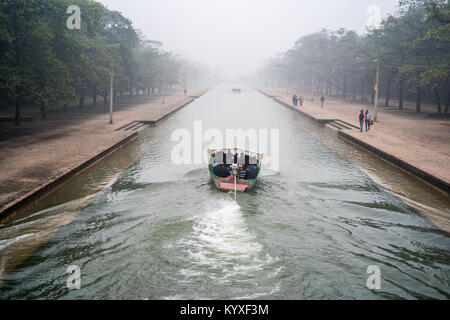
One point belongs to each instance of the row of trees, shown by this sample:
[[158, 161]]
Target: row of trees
[[412, 49], [45, 60]]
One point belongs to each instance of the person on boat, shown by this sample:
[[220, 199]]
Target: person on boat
[[223, 171], [251, 172], [215, 168]]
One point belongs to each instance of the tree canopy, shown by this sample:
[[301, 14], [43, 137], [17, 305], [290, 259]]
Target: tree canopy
[[43, 62], [412, 48]]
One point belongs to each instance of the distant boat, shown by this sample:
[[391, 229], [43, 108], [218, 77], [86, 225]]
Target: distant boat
[[240, 172], [236, 90]]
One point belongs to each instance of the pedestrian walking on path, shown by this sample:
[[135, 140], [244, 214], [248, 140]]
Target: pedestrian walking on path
[[322, 100], [367, 118], [300, 101], [294, 100], [361, 118]]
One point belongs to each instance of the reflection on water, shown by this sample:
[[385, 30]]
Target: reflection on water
[[160, 231]]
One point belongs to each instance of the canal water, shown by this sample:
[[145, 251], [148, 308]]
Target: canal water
[[139, 227]]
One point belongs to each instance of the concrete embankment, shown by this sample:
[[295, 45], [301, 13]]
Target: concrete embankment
[[32, 165], [388, 139]]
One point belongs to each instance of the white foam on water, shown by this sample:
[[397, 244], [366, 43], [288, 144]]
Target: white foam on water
[[7, 242], [224, 251]]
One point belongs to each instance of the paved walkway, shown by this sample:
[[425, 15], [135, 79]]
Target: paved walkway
[[413, 138], [39, 153]]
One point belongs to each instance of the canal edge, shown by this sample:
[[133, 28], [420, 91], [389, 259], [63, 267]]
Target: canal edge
[[9, 209], [424, 176]]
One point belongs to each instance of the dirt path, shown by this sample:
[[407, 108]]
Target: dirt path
[[413, 138], [38, 153]]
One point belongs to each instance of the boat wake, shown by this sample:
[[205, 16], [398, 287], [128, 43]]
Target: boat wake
[[223, 251]]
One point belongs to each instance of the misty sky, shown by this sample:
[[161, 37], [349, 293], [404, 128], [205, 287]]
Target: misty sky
[[238, 35]]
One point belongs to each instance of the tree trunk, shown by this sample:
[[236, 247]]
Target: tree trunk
[[438, 100], [344, 89], [388, 92], [116, 98], [81, 102], [373, 97], [105, 98], [447, 105], [153, 91], [65, 107], [94, 96], [131, 87], [17, 118], [353, 89], [419, 101], [362, 91], [328, 88], [43, 111], [400, 97]]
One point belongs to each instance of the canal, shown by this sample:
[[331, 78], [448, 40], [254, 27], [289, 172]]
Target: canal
[[139, 227]]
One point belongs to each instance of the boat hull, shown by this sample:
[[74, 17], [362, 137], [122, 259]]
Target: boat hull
[[227, 184]]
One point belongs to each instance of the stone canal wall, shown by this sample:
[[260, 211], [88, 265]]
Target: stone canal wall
[[432, 166], [32, 165]]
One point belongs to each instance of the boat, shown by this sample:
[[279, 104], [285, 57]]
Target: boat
[[236, 90], [242, 169]]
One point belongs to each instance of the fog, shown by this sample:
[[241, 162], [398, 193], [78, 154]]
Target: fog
[[238, 35]]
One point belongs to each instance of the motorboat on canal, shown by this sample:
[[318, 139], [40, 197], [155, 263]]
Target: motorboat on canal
[[234, 169], [236, 90]]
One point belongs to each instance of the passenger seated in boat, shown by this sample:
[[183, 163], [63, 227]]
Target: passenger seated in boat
[[251, 171], [215, 168], [223, 171]]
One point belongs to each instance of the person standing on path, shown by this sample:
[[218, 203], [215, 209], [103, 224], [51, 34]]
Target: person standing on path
[[361, 118], [322, 100], [185, 91], [294, 100], [300, 100], [367, 118]]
